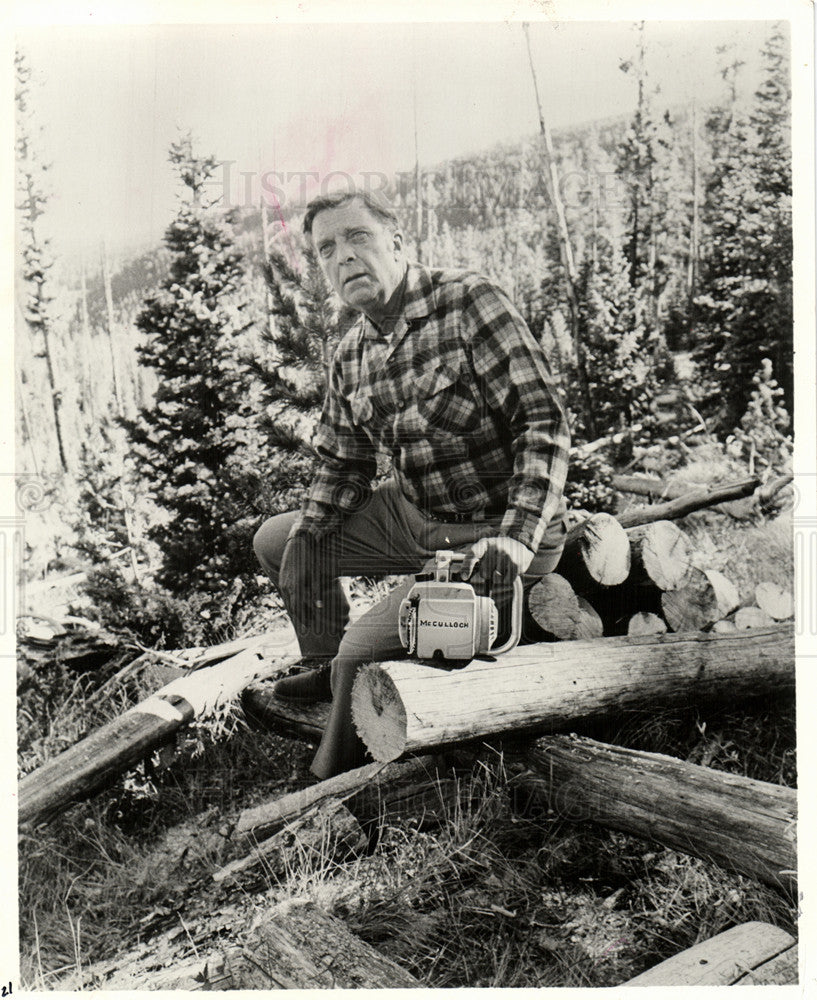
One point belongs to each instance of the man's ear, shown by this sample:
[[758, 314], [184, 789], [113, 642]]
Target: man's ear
[[397, 243]]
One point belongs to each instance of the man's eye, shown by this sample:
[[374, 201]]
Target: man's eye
[[325, 249], [360, 236]]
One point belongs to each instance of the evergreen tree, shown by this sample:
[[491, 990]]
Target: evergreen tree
[[618, 346], [186, 443], [744, 309], [290, 373]]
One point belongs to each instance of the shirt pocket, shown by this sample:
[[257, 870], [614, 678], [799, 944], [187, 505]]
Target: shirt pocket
[[447, 400]]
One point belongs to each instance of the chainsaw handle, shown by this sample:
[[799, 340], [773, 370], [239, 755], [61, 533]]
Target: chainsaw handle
[[516, 620]]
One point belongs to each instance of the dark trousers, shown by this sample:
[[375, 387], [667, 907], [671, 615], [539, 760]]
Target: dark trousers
[[390, 536]]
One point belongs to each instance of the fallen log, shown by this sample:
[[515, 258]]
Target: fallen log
[[367, 792], [596, 552], [661, 554], [753, 954], [742, 824], [327, 832], [98, 759], [298, 946], [405, 707], [301, 722], [688, 503]]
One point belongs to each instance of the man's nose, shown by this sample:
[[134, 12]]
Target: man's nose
[[346, 251]]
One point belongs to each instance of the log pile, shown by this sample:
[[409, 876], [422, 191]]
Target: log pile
[[643, 580]]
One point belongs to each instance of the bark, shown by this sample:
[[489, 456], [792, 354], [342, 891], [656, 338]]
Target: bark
[[96, 761], [742, 824], [753, 954], [404, 707]]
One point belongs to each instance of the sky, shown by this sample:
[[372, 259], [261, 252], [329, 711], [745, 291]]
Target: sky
[[302, 98]]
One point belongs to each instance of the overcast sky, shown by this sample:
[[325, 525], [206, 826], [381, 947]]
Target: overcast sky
[[322, 98]]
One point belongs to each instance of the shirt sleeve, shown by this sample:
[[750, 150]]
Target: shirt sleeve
[[347, 465], [516, 381]]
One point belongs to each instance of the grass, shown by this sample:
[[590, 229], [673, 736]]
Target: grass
[[494, 896]]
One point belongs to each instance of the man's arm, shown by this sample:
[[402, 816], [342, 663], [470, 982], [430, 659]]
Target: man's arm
[[516, 381]]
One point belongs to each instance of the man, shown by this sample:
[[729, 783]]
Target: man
[[441, 373]]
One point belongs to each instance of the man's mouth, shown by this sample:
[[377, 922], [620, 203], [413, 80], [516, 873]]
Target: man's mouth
[[354, 277]]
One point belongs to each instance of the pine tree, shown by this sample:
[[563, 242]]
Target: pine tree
[[290, 373], [618, 346], [744, 309], [186, 443]]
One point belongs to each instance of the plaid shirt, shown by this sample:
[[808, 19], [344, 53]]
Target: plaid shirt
[[463, 401]]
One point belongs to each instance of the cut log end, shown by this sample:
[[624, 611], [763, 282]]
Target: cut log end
[[646, 623], [379, 714], [775, 601], [665, 553], [605, 549]]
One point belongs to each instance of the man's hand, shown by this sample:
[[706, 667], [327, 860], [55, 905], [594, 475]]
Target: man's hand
[[308, 567], [496, 561]]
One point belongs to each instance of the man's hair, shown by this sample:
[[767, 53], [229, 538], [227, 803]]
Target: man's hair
[[376, 203]]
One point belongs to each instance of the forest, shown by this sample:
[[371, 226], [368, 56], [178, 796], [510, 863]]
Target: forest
[[164, 407]]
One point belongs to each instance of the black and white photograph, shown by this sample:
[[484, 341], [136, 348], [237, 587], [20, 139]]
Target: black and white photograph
[[410, 512]]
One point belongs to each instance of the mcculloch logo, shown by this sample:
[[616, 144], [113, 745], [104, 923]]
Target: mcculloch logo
[[424, 622]]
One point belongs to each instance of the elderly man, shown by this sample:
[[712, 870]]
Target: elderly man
[[441, 373]]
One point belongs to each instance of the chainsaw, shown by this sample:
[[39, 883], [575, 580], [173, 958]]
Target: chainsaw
[[442, 617]]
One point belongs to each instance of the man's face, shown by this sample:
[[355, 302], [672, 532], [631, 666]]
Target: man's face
[[361, 256]]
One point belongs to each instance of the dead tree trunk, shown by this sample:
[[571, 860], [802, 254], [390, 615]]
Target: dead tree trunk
[[553, 186], [95, 761], [753, 954], [744, 825], [405, 707]]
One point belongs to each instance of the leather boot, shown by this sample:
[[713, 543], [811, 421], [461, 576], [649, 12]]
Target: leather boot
[[307, 687]]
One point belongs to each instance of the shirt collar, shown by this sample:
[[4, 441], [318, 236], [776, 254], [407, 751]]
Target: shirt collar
[[419, 298]]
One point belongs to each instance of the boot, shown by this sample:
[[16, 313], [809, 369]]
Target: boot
[[309, 686]]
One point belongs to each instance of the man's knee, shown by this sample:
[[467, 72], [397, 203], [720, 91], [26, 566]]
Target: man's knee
[[269, 541]]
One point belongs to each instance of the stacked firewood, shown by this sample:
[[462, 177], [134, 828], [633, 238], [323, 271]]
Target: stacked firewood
[[643, 580]]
